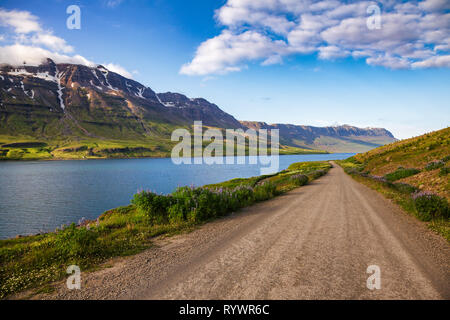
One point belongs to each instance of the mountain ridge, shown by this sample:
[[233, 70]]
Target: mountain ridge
[[77, 102]]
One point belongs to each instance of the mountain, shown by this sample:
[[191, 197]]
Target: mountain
[[75, 111], [96, 102], [343, 138]]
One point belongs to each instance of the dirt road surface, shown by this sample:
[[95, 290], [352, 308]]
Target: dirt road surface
[[315, 242]]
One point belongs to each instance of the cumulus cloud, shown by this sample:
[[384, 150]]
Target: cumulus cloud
[[21, 21], [433, 62], [118, 69], [52, 42], [17, 54], [224, 52], [27, 29], [411, 34], [33, 44]]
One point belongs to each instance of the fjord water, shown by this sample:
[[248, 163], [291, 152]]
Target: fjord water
[[38, 196]]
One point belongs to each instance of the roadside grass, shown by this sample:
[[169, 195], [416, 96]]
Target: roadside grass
[[425, 206], [36, 261]]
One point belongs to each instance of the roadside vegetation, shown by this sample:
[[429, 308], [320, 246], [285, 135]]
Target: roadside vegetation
[[35, 261], [413, 173]]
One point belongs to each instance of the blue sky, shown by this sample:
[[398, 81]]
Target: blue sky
[[209, 49]]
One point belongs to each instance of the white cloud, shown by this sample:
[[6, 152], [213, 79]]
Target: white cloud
[[224, 52], [332, 52], [388, 61], [21, 21], [433, 62], [16, 54], [118, 69], [435, 5], [267, 30], [33, 44], [52, 42], [27, 30], [275, 59]]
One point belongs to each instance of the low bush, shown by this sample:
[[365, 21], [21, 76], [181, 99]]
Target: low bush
[[404, 187], [73, 242], [444, 171], [401, 173], [430, 206], [318, 173], [152, 204], [299, 179], [200, 204], [433, 165]]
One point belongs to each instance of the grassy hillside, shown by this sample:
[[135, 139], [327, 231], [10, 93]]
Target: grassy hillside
[[428, 154], [32, 261], [30, 148], [412, 172]]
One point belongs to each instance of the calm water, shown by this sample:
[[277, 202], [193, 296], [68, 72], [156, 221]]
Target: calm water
[[42, 195]]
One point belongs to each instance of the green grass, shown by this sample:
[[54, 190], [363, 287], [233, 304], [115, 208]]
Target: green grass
[[401, 173], [157, 146], [404, 200], [35, 261], [429, 153], [426, 157]]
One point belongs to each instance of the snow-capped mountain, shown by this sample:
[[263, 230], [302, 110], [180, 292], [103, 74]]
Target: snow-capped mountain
[[75, 101], [84, 95]]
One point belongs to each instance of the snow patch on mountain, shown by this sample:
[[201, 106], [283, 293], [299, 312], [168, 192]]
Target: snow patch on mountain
[[140, 92], [60, 89], [165, 104], [92, 84], [105, 73]]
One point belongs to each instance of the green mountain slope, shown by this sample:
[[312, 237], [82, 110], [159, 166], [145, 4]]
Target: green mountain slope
[[429, 154], [76, 111]]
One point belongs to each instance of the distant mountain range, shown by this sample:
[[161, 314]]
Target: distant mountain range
[[68, 107], [343, 138]]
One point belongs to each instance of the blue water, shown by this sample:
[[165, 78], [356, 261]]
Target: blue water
[[42, 195]]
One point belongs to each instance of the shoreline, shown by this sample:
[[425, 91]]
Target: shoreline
[[157, 157]]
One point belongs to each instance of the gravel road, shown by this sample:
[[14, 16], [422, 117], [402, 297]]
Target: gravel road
[[315, 242]]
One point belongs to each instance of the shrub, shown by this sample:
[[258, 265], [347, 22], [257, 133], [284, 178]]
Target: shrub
[[299, 179], [401, 173], [446, 158], [434, 165], [404, 187], [265, 191], [200, 204], [430, 206], [444, 171], [77, 242], [318, 173], [152, 204]]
